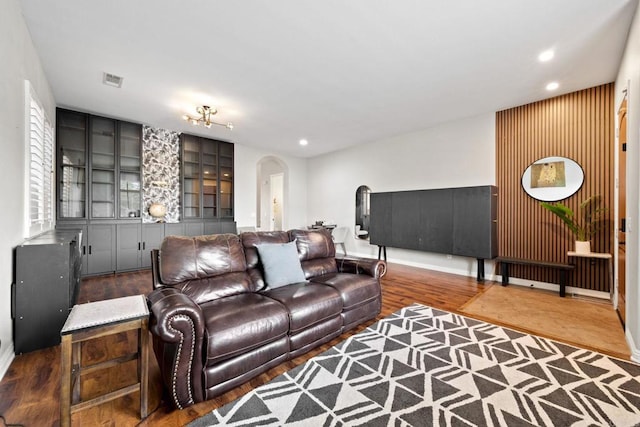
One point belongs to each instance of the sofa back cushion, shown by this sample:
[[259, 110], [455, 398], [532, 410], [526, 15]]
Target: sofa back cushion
[[252, 239], [316, 250], [204, 267]]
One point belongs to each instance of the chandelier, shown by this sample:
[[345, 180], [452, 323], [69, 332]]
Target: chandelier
[[205, 113]]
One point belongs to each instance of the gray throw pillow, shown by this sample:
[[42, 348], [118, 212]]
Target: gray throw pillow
[[281, 264]]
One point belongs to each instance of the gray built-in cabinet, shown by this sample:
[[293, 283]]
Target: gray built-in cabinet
[[99, 190]]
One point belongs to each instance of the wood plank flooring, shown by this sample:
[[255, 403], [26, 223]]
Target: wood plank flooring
[[29, 392]]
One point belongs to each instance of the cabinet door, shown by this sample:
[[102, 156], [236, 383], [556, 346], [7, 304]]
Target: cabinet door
[[83, 247], [193, 229], [380, 219], [41, 295], [101, 241], [225, 174], [228, 227], [152, 235], [103, 166], [71, 140], [436, 221], [474, 232], [129, 246], [129, 161], [209, 179], [191, 183], [212, 228], [405, 220], [174, 229]]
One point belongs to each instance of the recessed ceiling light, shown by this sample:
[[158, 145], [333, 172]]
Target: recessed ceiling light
[[304, 142], [545, 56], [553, 86]]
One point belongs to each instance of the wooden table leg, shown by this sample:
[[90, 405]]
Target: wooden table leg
[[65, 381], [143, 353]]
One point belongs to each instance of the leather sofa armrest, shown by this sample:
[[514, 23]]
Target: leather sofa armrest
[[178, 329], [373, 267]]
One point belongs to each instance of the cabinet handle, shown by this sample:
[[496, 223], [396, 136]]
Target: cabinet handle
[[84, 250], [89, 249], [138, 245], [144, 246]]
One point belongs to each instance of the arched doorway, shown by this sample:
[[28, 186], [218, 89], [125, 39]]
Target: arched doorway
[[272, 194]]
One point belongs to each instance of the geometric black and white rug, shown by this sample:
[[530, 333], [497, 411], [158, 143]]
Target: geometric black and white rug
[[422, 367]]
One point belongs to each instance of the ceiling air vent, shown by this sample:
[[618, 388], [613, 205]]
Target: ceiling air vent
[[112, 80]]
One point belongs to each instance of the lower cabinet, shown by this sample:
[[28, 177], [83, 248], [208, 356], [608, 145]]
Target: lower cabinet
[[108, 248], [135, 242], [47, 278], [152, 236], [101, 248]]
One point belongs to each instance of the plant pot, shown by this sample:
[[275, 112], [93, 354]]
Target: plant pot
[[583, 247]]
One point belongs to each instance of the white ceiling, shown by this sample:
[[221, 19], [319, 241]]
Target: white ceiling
[[336, 72]]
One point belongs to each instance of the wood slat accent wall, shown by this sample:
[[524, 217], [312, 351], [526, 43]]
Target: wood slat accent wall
[[580, 126]]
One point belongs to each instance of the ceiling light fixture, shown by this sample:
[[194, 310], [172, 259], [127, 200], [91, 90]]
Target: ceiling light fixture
[[303, 142], [205, 113], [553, 86], [545, 56]]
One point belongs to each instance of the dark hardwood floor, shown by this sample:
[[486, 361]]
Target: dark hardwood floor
[[29, 392]]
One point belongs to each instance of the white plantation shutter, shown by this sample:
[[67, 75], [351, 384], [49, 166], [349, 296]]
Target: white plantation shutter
[[40, 140]]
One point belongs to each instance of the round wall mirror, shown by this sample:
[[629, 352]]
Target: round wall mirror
[[361, 228], [551, 179]]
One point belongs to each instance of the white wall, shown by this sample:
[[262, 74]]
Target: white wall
[[246, 183], [19, 62], [629, 77], [454, 154]]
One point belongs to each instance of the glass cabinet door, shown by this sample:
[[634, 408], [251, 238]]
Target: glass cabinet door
[[226, 179], [209, 179], [130, 169], [191, 178], [71, 140], [103, 161]]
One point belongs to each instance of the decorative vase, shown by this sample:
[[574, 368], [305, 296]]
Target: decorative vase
[[583, 247], [158, 211]]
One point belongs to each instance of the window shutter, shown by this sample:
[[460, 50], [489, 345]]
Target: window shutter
[[40, 139]]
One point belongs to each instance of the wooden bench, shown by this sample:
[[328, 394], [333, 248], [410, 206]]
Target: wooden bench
[[505, 262]]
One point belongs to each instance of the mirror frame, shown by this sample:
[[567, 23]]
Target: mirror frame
[[363, 191], [559, 184]]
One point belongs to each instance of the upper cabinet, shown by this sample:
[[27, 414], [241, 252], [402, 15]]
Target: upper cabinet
[[105, 154], [207, 178], [129, 160], [72, 164]]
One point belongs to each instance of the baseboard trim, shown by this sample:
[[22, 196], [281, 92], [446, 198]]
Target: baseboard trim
[[635, 351], [6, 357]]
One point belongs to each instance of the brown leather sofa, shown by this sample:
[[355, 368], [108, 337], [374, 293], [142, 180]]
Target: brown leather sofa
[[216, 323]]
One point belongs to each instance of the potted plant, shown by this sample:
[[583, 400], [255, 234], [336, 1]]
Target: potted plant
[[586, 226]]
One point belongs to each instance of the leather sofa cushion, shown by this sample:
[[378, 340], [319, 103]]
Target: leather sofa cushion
[[313, 244], [240, 323], [212, 288], [307, 303], [188, 258], [249, 241], [355, 289]]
